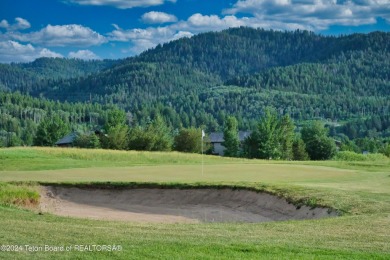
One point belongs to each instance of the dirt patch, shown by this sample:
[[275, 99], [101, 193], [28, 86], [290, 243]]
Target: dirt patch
[[173, 205]]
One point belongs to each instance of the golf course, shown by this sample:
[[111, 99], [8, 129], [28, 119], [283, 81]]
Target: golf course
[[340, 209]]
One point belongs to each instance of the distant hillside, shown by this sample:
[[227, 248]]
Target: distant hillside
[[41, 73], [353, 84], [239, 51], [199, 80]]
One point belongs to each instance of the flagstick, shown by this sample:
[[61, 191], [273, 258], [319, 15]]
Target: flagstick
[[202, 156], [202, 151]]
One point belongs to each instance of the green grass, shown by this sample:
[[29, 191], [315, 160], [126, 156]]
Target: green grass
[[19, 194], [360, 190], [353, 237], [51, 158]]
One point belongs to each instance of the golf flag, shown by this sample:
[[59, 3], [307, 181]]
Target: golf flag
[[203, 135]]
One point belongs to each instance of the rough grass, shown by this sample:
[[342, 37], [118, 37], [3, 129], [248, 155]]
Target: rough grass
[[25, 195]]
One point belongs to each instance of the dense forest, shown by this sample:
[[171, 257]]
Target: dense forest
[[200, 81]]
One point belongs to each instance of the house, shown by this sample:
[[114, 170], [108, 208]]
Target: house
[[216, 140], [67, 141]]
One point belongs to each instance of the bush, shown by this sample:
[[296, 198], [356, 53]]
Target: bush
[[87, 141], [386, 150], [352, 156], [154, 137], [189, 140], [318, 145]]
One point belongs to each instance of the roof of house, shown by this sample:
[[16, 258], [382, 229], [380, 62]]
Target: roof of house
[[217, 137], [68, 139]]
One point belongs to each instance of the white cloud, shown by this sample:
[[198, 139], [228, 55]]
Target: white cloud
[[121, 4], [62, 35], [4, 24], [143, 39], [314, 15], [83, 55], [20, 24], [182, 34], [202, 23], [158, 17], [11, 51]]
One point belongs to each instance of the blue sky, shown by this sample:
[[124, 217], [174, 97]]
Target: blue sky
[[99, 29]]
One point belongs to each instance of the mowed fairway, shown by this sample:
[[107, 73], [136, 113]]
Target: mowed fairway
[[240, 172], [361, 191]]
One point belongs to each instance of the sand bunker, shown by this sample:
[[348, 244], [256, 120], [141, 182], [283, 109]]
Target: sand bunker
[[173, 205]]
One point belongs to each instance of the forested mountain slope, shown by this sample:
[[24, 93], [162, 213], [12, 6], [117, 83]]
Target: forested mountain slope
[[43, 72], [199, 80], [353, 84], [238, 51]]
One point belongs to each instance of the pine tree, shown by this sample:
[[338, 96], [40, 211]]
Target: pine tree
[[230, 136], [299, 150], [286, 137]]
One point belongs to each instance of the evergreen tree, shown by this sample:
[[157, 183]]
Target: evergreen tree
[[286, 137], [299, 150], [250, 146], [230, 136]]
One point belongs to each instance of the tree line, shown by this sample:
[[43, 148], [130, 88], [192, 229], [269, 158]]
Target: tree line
[[29, 121], [275, 137]]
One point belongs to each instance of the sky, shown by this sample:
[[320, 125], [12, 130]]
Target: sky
[[112, 29]]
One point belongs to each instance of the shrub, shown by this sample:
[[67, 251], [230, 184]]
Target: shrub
[[189, 140], [87, 141], [352, 156]]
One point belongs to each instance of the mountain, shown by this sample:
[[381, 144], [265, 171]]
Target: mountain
[[42, 72], [240, 71]]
